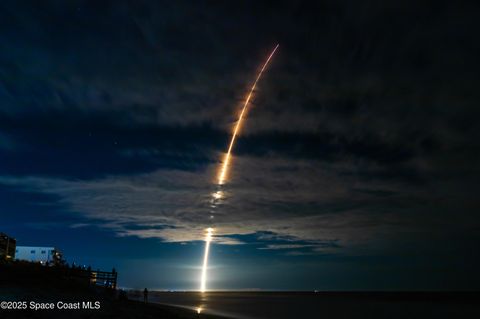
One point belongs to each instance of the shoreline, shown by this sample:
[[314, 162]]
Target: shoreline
[[31, 291], [25, 282], [338, 304], [128, 309]]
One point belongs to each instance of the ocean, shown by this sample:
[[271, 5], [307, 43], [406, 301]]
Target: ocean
[[280, 305]]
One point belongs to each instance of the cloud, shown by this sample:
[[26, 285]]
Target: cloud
[[358, 135], [345, 76], [285, 246], [305, 202]]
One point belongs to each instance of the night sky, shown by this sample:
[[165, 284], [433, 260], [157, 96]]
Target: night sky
[[357, 166]]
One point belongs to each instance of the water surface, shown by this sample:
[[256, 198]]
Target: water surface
[[262, 305]]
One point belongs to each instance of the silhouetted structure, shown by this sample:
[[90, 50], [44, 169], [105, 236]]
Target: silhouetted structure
[[99, 278], [27, 274], [103, 278], [7, 247]]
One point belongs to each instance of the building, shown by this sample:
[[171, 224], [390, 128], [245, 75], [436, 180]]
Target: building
[[43, 255], [7, 247]]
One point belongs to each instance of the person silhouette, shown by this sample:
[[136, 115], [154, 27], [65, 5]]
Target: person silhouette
[[145, 295]]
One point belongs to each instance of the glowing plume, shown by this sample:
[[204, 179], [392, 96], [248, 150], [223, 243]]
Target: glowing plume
[[224, 168]]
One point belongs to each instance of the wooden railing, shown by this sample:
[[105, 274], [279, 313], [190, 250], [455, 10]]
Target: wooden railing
[[104, 279], [96, 277]]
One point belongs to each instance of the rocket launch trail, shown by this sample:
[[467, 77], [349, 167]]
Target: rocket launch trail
[[222, 176], [226, 162], [205, 259]]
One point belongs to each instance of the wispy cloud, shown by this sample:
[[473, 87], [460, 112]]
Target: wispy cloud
[[300, 201]]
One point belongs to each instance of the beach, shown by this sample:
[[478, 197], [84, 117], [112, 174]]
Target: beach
[[108, 306], [27, 289]]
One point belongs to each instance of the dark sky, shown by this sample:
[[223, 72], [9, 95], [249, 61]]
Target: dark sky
[[357, 167]]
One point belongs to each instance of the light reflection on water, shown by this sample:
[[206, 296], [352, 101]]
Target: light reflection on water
[[197, 302], [280, 305]]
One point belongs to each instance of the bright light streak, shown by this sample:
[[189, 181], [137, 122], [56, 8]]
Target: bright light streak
[[208, 239], [223, 171]]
